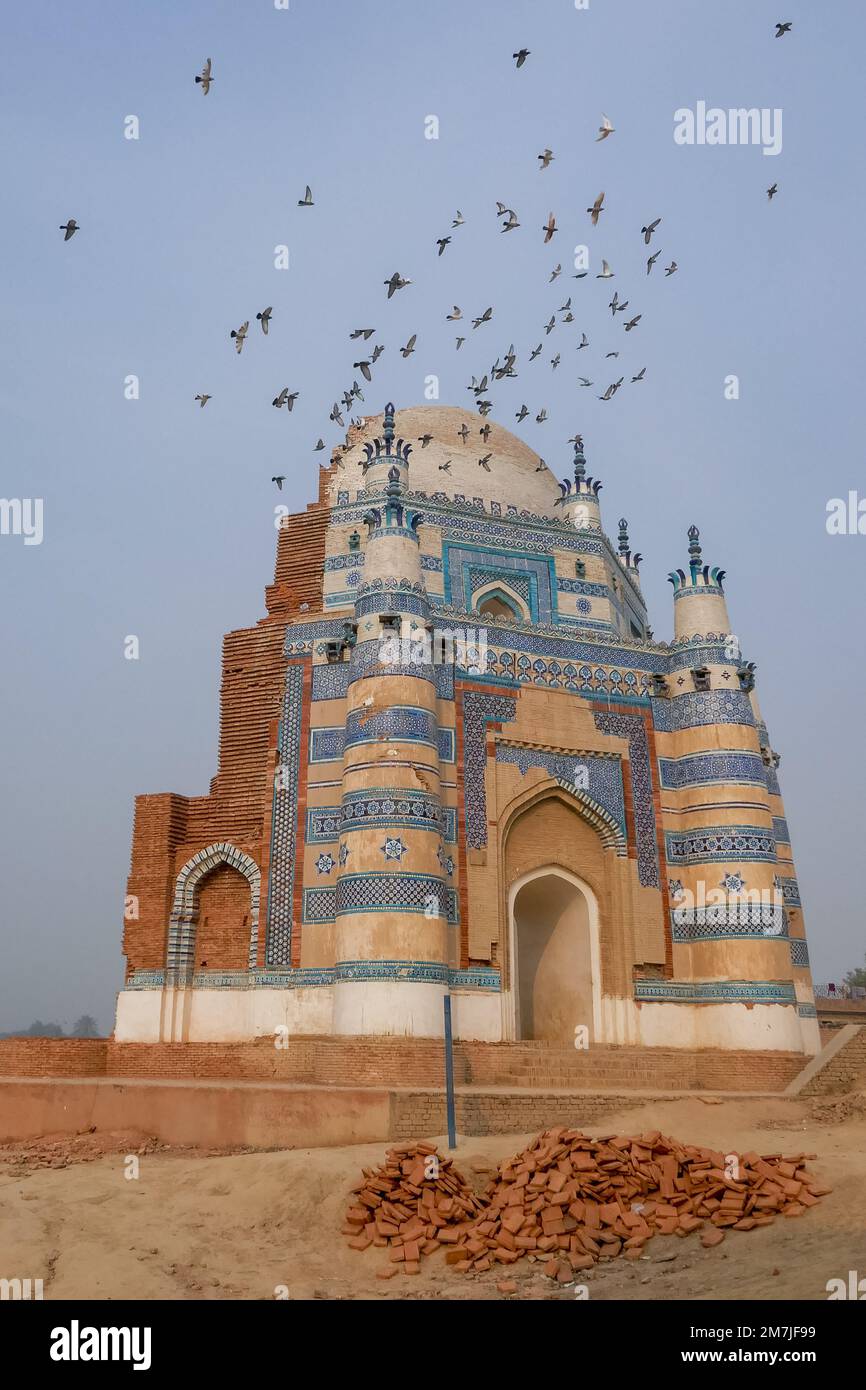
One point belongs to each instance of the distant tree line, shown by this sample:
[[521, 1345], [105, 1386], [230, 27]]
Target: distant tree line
[[85, 1027]]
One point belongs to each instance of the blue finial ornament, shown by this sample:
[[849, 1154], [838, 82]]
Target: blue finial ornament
[[694, 547], [388, 431], [579, 461], [623, 536]]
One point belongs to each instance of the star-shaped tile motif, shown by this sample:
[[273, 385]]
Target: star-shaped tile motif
[[325, 863], [394, 848], [733, 883]]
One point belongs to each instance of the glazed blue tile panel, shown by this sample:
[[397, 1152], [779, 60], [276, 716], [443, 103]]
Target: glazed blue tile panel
[[412, 971], [330, 682], [459, 562], [604, 775], [713, 991], [790, 891], [399, 724], [395, 892], [799, 952], [717, 922], [581, 586], [320, 905], [446, 746], [772, 776], [692, 710], [278, 929], [354, 560], [807, 1011], [388, 602], [478, 710], [326, 745], [701, 769], [431, 563], [780, 830], [720, 843], [631, 727], [443, 677], [384, 807], [323, 825], [450, 822], [366, 659], [686, 659]]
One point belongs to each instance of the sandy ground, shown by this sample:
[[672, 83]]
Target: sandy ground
[[242, 1225]]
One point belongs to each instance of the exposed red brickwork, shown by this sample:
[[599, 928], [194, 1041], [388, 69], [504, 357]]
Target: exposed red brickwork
[[223, 934], [169, 829], [844, 1072], [406, 1062]]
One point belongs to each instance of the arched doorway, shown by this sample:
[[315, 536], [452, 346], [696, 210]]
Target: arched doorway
[[222, 937], [554, 957]]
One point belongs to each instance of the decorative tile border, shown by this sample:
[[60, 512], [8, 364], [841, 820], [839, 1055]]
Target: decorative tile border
[[799, 952], [703, 769], [603, 774], [395, 892], [278, 936], [807, 1011], [713, 992], [632, 727], [397, 724], [780, 830], [720, 844], [692, 710], [790, 890], [478, 710], [478, 978]]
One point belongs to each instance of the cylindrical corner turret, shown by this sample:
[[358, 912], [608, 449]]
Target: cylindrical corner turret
[[700, 608], [579, 500]]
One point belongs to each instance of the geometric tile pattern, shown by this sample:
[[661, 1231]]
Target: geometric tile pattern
[[391, 892], [397, 724], [631, 727], [474, 977], [720, 843], [382, 806], [689, 711], [700, 769], [709, 991], [478, 710], [799, 951], [601, 778], [790, 890], [278, 935], [716, 922], [780, 830]]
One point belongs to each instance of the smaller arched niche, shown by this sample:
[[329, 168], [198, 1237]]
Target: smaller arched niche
[[497, 600]]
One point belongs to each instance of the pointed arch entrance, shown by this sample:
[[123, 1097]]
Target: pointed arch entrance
[[554, 952]]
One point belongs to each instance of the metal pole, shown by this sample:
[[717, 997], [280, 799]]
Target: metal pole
[[449, 1076]]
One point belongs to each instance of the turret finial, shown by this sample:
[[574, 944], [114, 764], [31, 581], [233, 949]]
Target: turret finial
[[694, 546], [388, 431], [579, 461], [623, 536]]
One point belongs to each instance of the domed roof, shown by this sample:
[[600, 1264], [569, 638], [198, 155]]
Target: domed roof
[[514, 477]]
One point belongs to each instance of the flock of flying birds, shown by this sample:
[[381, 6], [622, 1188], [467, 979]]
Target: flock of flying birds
[[499, 370]]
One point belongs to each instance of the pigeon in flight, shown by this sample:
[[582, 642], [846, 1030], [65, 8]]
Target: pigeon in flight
[[605, 273], [485, 432], [287, 398], [605, 129], [264, 318], [554, 361], [364, 369], [540, 466], [611, 354], [611, 390], [424, 440], [239, 335], [463, 432], [536, 352], [484, 318], [771, 192], [356, 391], [541, 416], [549, 228], [279, 479], [485, 462], [485, 407], [377, 352], [319, 446], [564, 308], [458, 220], [456, 313], [584, 342], [445, 467], [460, 342], [396, 283], [442, 242], [205, 79], [335, 414], [511, 223], [651, 262], [410, 346], [364, 333], [596, 209], [202, 401], [521, 413], [546, 158], [641, 374], [669, 269], [584, 381], [551, 324], [633, 323], [521, 56], [307, 200], [648, 231], [780, 29], [557, 270], [615, 304], [70, 228]]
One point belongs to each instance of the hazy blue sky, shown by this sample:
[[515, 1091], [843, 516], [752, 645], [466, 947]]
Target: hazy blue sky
[[158, 517]]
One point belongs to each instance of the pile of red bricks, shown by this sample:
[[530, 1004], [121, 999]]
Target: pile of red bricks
[[571, 1201], [412, 1204], [576, 1200]]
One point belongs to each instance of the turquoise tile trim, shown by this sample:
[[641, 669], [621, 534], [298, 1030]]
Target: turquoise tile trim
[[713, 991]]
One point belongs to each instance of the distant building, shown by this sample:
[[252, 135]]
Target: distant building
[[454, 760]]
